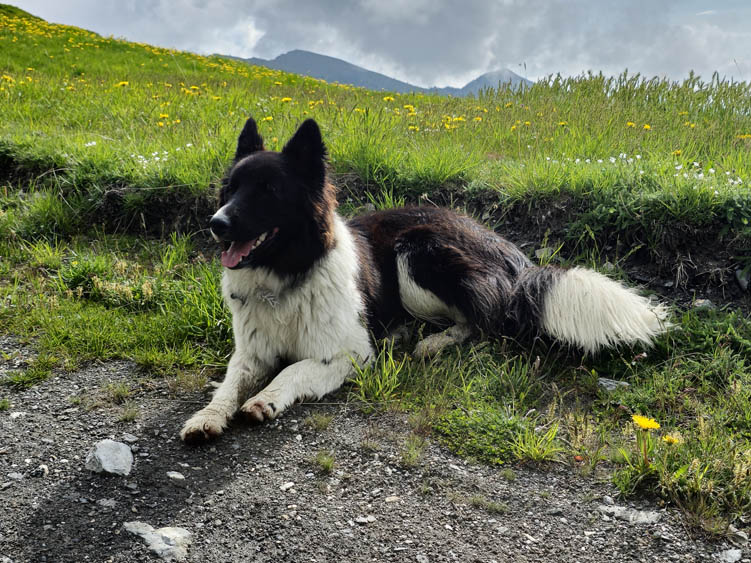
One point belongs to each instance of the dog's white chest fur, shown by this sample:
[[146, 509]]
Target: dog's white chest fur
[[319, 317]]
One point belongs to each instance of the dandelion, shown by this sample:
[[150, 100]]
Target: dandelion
[[676, 152], [509, 104], [160, 123], [388, 98], [478, 118], [647, 127], [163, 115], [121, 84], [562, 123], [285, 100], [668, 439], [268, 118], [413, 128], [630, 124], [645, 423]]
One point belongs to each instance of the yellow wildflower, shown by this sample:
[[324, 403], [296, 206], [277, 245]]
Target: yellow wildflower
[[563, 123], [268, 118], [163, 115], [509, 104], [668, 439], [630, 124], [676, 152], [388, 98], [285, 100], [478, 118], [160, 123], [120, 84], [647, 127], [645, 423]]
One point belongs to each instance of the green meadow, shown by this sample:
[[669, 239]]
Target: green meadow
[[109, 151]]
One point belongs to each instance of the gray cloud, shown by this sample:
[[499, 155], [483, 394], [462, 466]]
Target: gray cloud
[[438, 42]]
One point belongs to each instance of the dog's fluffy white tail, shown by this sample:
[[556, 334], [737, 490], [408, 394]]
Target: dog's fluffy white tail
[[586, 309]]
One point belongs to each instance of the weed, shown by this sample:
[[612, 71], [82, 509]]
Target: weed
[[129, 412], [529, 444], [318, 421], [4, 404], [324, 461], [117, 393], [376, 383], [412, 451], [480, 501]]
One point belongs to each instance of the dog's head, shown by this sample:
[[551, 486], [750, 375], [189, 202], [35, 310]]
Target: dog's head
[[275, 207]]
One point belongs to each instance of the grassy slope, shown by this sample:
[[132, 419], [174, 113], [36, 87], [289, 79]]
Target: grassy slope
[[96, 130]]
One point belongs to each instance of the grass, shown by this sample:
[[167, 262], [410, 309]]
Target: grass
[[324, 461], [103, 141]]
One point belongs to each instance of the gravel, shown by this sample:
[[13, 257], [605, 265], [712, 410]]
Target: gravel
[[258, 495]]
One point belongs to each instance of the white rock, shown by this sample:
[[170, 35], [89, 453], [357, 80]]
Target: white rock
[[15, 475], [175, 475], [107, 502], [630, 515], [171, 544], [111, 457], [17, 414], [130, 438], [286, 486], [392, 498], [610, 384], [730, 556]]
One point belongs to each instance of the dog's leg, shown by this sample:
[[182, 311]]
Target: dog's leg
[[311, 379], [243, 375]]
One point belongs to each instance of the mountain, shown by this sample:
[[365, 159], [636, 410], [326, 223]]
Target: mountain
[[332, 69]]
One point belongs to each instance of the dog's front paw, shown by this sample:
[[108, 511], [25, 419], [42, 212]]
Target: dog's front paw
[[260, 408], [203, 426]]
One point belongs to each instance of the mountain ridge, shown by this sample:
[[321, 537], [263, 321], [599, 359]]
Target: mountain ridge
[[332, 69]]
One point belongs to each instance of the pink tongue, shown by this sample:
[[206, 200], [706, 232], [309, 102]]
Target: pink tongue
[[236, 252]]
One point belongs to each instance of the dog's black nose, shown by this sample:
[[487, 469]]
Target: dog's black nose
[[219, 224]]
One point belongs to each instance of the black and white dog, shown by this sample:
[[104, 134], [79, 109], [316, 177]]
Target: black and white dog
[[308, 291]]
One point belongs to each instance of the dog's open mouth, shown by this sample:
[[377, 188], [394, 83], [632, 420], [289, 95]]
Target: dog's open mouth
[[239, 251]]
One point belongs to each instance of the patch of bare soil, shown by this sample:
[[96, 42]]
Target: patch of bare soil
[[258, 495]]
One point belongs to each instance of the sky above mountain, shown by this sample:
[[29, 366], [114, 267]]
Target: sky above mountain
[[441, 42]]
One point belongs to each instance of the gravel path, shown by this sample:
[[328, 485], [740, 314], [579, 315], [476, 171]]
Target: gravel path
[[257, 494]]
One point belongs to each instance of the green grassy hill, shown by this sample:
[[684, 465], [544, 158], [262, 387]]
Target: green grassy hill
[[103, 141]]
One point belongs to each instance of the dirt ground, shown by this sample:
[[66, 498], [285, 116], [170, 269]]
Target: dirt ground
[[234, 501]]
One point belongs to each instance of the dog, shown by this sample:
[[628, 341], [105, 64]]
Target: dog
[[309, 292]]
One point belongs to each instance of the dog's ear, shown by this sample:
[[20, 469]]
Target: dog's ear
[[306, 150], [249, 141]]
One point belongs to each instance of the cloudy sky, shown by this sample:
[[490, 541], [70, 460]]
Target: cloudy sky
[[441, 42]]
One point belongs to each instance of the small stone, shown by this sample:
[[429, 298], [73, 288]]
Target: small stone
[[362, 520], [630, 515], [608, 500], [111, 457], [392, 498], [298, 437], [544, 253], [17, 414], [743, 277], [610, 384], [730, 556], [171, 544], [286, 486], [376, 492], [175, 475], [107, 502], [130, 438], [15, 476], [422, 558], [704, 304]]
